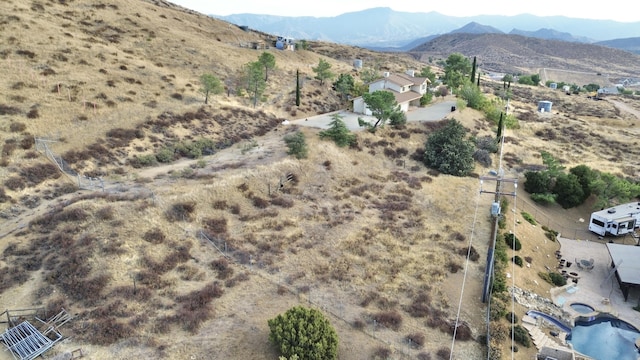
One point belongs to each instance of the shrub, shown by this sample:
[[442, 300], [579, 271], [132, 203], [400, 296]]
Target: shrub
[[304, 332], [165, 155], [390, 319], [222, 267], [154, 236], [543, 199], [512, 318], [528, 218], [297, 145], [416, 340], [483, 157], [553, 278], [517, 260], [521, 336], [181, 211], [512, 241], [443, 353]]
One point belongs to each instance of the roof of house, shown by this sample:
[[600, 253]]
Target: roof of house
[[559, 354], [625, 257], [406, 96], [415, 79], [404, 79]]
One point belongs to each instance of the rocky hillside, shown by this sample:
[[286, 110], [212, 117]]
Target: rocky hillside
[[520, 54]]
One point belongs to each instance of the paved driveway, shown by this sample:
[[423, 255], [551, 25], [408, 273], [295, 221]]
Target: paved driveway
[[434, 112]]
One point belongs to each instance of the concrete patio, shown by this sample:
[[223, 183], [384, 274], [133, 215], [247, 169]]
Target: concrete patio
[[596, 287]]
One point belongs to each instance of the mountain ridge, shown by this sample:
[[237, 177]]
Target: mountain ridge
[[400, 28]]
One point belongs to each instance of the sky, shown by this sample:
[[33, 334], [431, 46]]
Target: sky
[[617, 10]]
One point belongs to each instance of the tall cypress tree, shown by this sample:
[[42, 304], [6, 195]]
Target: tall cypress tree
[[478, 84], [500, 126], [473, 70], [297, 88]]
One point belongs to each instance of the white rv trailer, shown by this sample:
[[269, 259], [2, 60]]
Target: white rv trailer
[[617, 220]]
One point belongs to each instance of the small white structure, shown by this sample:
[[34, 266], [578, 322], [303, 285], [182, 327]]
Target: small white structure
[[544, 106], [617, 220], [357, 64], [553, 86]]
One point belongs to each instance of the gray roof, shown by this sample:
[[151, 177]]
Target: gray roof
[[626, 256]]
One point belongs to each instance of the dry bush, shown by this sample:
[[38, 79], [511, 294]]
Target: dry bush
[[457, 236], [443, 353], [182, 211], [180, 254], [27, 142], [154, 236], [220, 204], [105, 213], [416, 340], [222, 267], [131, 293], [11, 110], [216, 227], [8, 148], [282, 202], [389, 319], [424, 356], [463, 333], [14, 126], [38, 173], [371, 296], [420, 306], [453, 266], [473, 253], [259, 202], [381, 353], [238, 278], [106, 331]]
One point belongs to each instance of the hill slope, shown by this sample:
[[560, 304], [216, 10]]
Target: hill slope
[[515, 54]]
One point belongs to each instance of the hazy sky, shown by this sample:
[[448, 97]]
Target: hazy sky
[[619, 10]]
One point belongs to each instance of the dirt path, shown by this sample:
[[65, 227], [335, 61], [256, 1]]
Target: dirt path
[[625, 108]]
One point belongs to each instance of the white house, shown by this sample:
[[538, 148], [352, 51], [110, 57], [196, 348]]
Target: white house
[[406, 88]]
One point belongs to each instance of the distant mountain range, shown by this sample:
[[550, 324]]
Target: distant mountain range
[[385, 29]]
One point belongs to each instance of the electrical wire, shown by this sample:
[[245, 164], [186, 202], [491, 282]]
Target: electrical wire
[[464, 278]]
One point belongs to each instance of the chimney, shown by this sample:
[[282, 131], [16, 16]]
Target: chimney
[[385, 74], [410, 72]]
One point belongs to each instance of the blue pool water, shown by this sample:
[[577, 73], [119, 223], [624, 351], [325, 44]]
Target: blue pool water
[[605, 339], [582, 308]]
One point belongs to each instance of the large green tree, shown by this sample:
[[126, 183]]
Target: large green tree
[[456, 69], [210, 85], [344, 85], [323, 71], [305, 333], [268, 61], [368, 75], [382, 104], [427, 73], [568, 191], [448, 151], [255, 84]]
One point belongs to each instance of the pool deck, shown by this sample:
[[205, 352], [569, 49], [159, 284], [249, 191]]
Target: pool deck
[[596, 287]]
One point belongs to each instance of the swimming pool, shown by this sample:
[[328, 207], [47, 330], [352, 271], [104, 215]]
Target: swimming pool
[[582, 308], [605, 338]]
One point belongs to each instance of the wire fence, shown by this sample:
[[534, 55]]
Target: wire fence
[[84, 182], [578, 232]]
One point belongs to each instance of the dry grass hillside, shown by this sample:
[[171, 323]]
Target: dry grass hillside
[[187, 259]]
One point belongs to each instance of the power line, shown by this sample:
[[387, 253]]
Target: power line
[[464, 278]]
